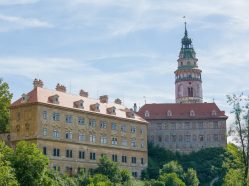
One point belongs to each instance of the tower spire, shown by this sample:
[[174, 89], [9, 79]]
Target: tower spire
[[186, 32]]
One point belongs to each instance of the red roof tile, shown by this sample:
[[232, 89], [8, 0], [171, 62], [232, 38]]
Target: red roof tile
[[41, 95], [181, 111]]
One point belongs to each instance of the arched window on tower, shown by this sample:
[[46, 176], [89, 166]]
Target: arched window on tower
[[181, 63], [190, 92]]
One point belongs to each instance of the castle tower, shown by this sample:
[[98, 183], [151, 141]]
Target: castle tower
[[188, 83]]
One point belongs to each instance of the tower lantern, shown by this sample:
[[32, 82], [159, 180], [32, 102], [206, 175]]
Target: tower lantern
[[188, 82]]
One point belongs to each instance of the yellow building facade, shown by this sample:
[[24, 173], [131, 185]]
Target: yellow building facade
[[74, 131]]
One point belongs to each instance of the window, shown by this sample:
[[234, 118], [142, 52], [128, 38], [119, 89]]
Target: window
[[169, 113], [81, 155], [81, 137], [114, 126], [201, 137], [103, 140], [45, 131], [56, 152], [134, 174], [69, 135], [190, 92], [92, 156], [133, 160], [44, 150], [187, 138], [81, 120], [216, 126], [45, 115], [159, 138], [124, 142], [115, 157], [194, 138], [92, 138], [124, 159], [69, 153], [142, 161], [92, 123], [133, 129], [213, 113], [123, 128], [192, 113], [69, 119], [69, 170], [56, 116], [56, 168], [56, 134], [166, 138], [133, 143], [103, 124], [147, 114], [114, 141], [173, 138], [142, 130], [142, 144]]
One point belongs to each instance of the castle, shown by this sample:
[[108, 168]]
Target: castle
[[189, 124]]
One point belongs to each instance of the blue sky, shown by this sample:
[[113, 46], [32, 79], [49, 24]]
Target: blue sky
[[126, 49]]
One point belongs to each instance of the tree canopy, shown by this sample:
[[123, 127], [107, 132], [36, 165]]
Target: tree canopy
[[5, 100]]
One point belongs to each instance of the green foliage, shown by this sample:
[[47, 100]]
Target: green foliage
[[7, 173], [99, 180], [5, 100], [190, 178], [125, 176], [172, 167], [233, 177], [171, 179], [109, 169], [208, 163], [154, 182], [29, 163]]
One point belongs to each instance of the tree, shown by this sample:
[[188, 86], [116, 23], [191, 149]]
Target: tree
[[190, 178], [29, 163], [125, 176], [172, 167], [240, 129], [7, 173], [109, 169], [5, 100], [171, 179]]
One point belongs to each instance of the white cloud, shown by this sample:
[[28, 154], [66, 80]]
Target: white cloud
[[12, 22]]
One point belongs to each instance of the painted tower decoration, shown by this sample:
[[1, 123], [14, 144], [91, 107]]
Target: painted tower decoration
[[188, 83]]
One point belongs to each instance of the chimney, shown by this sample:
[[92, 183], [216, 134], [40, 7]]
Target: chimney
[[118, 101], [83, 93], [103, 99], [135, 107], [60, 88], [38, 83]]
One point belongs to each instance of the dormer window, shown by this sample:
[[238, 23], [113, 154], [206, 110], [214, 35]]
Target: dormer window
[[169, 113], [25, 98], [111, 110], [214, 113], [95, 107], [130, 113], [192, 113], [79, 104], [54, 99], [147, 114]]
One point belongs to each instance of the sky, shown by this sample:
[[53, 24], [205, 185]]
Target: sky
[[127, 49]]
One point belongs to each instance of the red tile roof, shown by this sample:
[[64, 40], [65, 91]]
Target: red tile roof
[[181, 111], [41, 95]]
